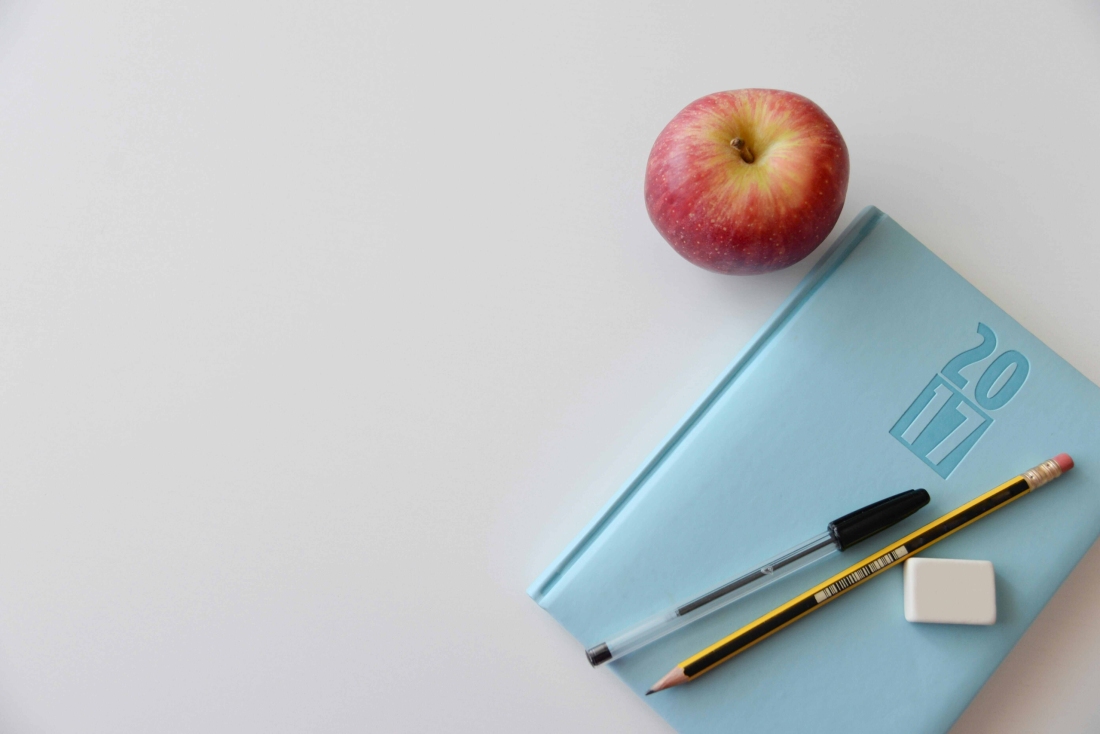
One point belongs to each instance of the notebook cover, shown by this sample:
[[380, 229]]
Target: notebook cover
[[885, 370]]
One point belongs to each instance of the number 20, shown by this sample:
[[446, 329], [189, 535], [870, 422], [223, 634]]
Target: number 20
[[1002, 378]]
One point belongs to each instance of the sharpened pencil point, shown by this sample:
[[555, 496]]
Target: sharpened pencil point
[[674, 678], [650, 692]]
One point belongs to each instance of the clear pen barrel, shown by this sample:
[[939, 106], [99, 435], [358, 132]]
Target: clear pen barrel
[[771, 570]]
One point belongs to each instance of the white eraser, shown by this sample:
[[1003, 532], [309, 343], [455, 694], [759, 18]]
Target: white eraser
[[949, 591]]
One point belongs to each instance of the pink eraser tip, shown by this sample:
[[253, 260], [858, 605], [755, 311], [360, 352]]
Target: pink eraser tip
[[1065, 463]]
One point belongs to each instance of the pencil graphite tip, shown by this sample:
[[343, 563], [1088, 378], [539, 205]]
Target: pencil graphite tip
[[650, 692], [674, 678]]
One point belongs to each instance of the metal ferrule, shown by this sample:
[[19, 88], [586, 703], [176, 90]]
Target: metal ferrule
[[1040, 475]]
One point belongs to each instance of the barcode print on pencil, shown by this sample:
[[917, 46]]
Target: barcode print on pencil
[[859, 574]]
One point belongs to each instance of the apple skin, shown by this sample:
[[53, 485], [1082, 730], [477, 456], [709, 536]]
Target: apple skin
[[730, 216]]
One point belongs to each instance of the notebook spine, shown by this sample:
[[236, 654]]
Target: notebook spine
[[855, 232]]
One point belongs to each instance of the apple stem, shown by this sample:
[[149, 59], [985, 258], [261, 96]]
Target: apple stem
[[746, 154]]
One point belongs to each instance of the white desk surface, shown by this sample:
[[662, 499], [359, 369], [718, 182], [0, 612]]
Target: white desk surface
[[324, 327]]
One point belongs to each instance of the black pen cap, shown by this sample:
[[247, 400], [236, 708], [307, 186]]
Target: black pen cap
[[866, 521]]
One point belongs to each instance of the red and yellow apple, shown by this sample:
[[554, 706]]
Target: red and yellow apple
[[747, 181]]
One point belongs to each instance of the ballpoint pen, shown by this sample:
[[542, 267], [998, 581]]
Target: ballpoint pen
[[841, 533]]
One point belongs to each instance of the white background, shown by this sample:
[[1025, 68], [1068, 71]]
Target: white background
[[325, 326]]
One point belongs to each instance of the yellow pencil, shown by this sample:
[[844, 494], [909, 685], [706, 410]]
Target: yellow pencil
[[869, 567]]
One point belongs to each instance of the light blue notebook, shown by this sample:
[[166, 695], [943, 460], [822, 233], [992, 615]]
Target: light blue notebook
[[884, 371]]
